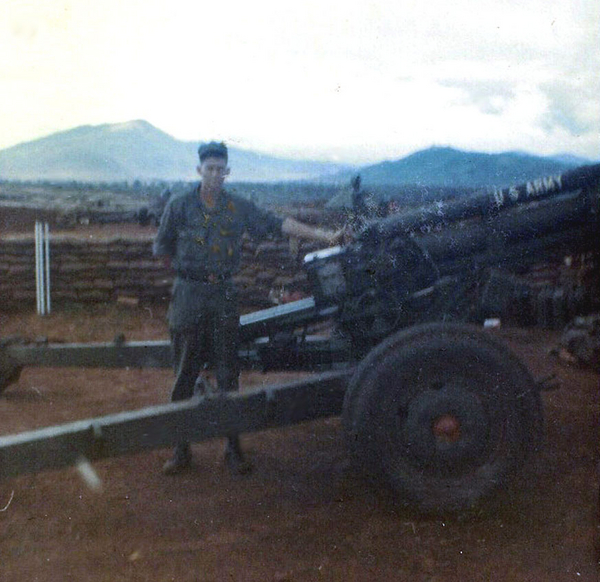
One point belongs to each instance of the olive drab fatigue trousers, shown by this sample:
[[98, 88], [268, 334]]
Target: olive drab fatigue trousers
[[213, 341]]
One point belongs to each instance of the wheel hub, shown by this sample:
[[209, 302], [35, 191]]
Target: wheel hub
[[445, 429]]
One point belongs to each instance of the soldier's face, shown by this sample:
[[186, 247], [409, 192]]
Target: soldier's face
[[213, 172]]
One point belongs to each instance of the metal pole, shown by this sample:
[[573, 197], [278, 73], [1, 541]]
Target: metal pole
[[42, 268], [37, 288], [38, 293], [47, 249]]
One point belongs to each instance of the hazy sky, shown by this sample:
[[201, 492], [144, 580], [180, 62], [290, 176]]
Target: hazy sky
[[348, 80]]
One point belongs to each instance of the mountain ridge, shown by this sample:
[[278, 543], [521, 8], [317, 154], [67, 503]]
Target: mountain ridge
[[136, 150], [443, 166]]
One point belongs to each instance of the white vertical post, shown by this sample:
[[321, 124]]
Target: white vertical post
[[47, 262], [41, 251], [37, 269], [42, 267]]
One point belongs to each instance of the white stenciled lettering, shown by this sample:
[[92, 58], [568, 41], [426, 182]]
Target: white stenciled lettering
[[538, 185], [513, 193], [548, 183], [529, 189], [498, 198], [542, 185]]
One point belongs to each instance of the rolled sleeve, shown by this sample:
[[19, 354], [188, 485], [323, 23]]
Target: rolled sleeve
[[165, 241], [262, 223]]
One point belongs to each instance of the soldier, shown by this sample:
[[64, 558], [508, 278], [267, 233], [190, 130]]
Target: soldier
[[200, 234]]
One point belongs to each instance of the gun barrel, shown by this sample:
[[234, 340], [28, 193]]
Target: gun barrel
[[486, 203], [520, 236]]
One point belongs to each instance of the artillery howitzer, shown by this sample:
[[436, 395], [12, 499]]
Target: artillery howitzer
[[431, 403]]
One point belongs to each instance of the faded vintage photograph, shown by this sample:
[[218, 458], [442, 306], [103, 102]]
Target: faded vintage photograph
[[299, 291]]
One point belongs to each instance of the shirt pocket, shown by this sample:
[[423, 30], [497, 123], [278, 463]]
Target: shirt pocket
[[228, 237], [229, 229], [191, 245]]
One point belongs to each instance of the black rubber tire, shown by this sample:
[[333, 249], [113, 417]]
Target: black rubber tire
[[440, 370]]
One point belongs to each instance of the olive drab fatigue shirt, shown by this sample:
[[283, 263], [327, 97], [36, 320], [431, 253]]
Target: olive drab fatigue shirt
[[205, 247]]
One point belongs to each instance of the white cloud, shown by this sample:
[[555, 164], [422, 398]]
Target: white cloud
[[348, 79]]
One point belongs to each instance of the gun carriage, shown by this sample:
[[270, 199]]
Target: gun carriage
[[431, 403]]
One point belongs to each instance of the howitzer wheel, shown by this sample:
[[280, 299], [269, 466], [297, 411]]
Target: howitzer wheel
[[443, 413]]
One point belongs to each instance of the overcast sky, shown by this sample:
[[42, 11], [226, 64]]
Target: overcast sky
[[348, 80]]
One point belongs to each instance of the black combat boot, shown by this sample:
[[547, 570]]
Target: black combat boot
[[202, 387], [234, 458], [181, 459]]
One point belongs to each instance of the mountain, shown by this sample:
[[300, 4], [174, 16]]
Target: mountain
[[448, 167], [136, 150], [571, 159]]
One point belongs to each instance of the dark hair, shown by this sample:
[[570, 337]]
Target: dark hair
[[212, 149]]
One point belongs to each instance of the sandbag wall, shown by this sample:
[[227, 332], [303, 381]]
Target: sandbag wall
[[124, 270]]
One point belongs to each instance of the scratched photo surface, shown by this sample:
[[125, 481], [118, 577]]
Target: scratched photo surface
[[363, 344]]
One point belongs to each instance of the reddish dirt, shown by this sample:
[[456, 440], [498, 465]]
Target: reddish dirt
[[303, 514]]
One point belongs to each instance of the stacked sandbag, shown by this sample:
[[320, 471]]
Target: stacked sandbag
[[123, 269]]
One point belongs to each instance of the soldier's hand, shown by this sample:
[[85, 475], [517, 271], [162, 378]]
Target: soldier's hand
[[337, 237], [348, 235]]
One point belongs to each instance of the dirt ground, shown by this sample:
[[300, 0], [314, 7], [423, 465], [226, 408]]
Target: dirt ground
[[303, 514]]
